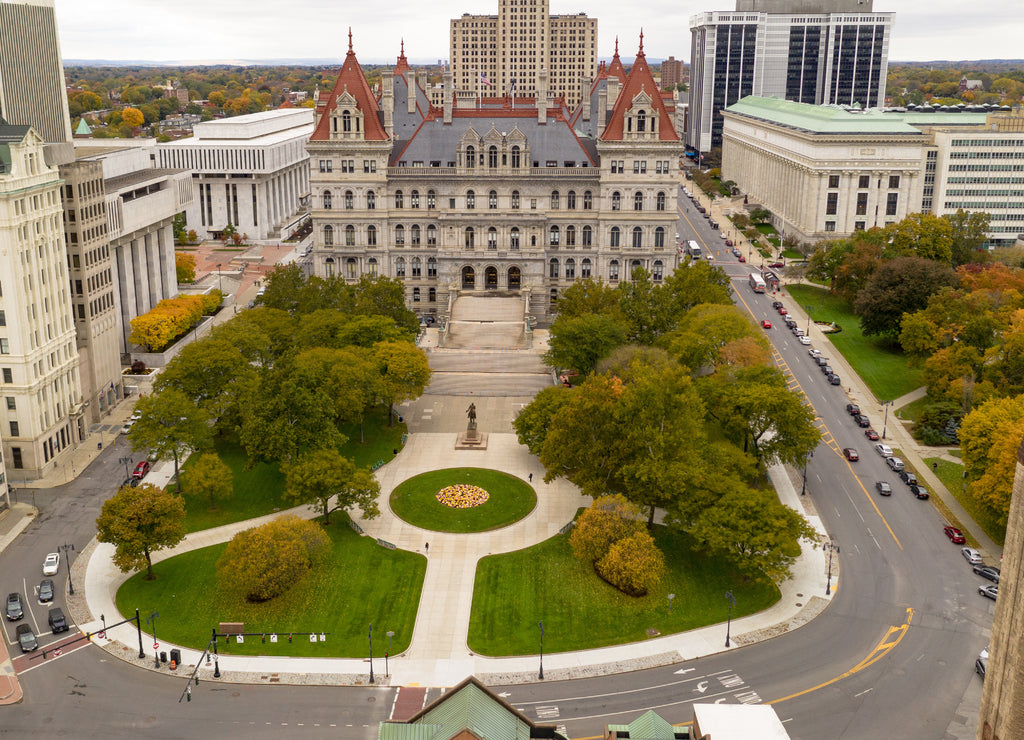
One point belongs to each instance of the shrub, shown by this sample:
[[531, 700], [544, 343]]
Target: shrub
[[634, 565], [171, 318], [186, 267]]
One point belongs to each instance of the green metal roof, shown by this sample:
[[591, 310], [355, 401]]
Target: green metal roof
[[82, 129], [827, 119], [648, 726]]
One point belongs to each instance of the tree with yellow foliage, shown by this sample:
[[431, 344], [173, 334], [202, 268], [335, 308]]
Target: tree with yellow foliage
[[133, 117]]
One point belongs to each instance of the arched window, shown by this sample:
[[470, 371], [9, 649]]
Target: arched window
[[553, 268], [371, 200], [554, 296], [470, 199], [492, 199], [371, 235], [614, 237], [492, 238], [416, 267], [514, 238], [641, 121], [638, 201], [431, 199], [658, 271], [515, 200], [400, 236], [553, 236], [659, 238], [638, 237], [570, 200], [350, 267], [431, 294], [431, 236], [470, 156], [349, 200], [516, 158], [616, 201], [570, 236], [415, 295], [554, 200], [399, 199], [431, 268], [326, 200], [328, 236], [329, 266], [613, 270], [470, 241], [570, 269], [414, 199], [661, 201], [414, 235], [350, 236], [588, 200], [346, 121], [588, 238], [492, 157], [371, 265], [585, 268], [400, 267]]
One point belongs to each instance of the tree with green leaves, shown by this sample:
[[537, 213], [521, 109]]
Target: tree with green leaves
[[589, 296], [647, 308], [923, 235], [404, 373], [533, 420], [209, 477], [580, 342], [322, 475], [898, 287], [705, 332], [169, 425], [970, 232], [138, 522]]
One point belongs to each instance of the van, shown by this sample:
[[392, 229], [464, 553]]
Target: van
[[57, 621]]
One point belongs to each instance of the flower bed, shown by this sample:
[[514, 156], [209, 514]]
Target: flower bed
[[462, 496]]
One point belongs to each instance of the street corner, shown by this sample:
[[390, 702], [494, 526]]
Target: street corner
[[10, 689]]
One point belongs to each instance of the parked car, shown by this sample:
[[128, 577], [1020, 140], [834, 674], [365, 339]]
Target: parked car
[[740, 258], [834, 379], [51, 564], [826, 369], [26, 638], [871, 434], [14, 611], [782, 311], [884, 489], [980, 665], [728, 243], [805, 340], [987, 572], [127, 427], [971, 555], [766, 324], [852, 409], [907, 477], [851, 454], [815, 353], [894, 463], [776, 305], [140, 470], [989, 591], [822, 360], [46, 590], [954, 534], [920, 491], [862, 421], [883, 449], [776, 265], [57, 621]]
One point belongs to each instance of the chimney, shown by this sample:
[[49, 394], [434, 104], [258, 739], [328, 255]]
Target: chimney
[[542, 96], [614, 86], [410, 82], [387, 102], [449, 81], [421, 79], [585, 84], [602, 107]]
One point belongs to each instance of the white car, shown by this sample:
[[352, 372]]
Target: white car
[[805, 340], [723, 235], [883, 450], [709, 256], [971, 555], [51, 564], [815, 353]]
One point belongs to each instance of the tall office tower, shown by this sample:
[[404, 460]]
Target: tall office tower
[[488, 52], [32, 88], [42, 410], [813, 51]]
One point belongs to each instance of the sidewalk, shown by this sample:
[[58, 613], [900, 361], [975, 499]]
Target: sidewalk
[[13, 522], [438, 654]]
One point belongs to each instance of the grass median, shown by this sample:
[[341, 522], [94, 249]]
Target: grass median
[[510, 499]]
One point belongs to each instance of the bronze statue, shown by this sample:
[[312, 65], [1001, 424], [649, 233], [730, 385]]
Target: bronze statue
[[471, 412]]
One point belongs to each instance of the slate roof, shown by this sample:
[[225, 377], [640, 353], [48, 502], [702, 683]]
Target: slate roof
[[352, 79], [405, 123], [639, 80]]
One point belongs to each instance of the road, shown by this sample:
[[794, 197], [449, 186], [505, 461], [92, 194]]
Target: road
[[891, 657]]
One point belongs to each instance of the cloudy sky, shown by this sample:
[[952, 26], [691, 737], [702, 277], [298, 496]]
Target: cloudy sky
[[189, 30]]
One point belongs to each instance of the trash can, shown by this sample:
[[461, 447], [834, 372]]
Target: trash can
[[176, 656], [163, 656]]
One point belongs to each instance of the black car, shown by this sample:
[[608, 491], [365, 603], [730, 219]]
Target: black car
[[776, 305], [884, 489], [907, 477], [852, 409], [862, 421], [920, 491], [46, 590], [57, 621], [26, 638], [14, 612], [826, 369], [834, 379], [987, 571], [980, 665]]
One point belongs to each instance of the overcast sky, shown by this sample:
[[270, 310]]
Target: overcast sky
[[209, 30]]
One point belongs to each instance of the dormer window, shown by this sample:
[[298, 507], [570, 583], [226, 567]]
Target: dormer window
[[346, 122], [641, 121]]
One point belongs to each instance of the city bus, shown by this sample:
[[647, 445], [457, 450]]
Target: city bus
[[693, 249], [757, 283]]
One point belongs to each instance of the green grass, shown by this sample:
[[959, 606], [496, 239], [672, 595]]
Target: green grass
[[362, 583], [951, 475], [415, 500], [380, 440], [515, 591], [792, 254], [766, 228], [884, 369], [913, 410]]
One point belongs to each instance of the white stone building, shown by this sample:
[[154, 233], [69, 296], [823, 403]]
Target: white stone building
[[249, 171]]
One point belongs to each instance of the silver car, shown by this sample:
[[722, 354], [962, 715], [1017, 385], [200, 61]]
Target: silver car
[[971, 555]]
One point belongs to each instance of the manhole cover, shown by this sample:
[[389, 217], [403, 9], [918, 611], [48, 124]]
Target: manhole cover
[[799, 604]]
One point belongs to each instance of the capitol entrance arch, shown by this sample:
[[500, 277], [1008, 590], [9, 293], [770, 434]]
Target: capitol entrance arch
[[468, 278], [491, 278], [515, 278]]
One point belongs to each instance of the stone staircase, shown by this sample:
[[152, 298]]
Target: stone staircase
[[487, 322]]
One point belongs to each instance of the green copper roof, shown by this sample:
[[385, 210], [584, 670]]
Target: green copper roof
[[649, 726], [825, 119], [82, 129]]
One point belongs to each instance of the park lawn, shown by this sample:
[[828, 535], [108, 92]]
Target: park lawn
[[765, 228], [415, 500], [951, 475], [514, 592], [792, 254], [913, 410], [362, 584], [884, 369], [380, 440]]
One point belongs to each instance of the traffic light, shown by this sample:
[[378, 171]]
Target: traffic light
[[263, 639], [289, 638], [188, 693]]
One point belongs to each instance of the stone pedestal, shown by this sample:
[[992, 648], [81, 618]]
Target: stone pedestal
[[471, 439]]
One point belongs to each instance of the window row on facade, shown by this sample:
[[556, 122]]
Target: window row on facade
[[557, 269], [864, 182], [569, 236], [571, 200], [892, 201]]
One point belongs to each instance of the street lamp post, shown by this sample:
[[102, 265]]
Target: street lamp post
[[885, 424], [65, 547], [803, 489], [151, 619], [220, 283], [127, 460], [541, 676], [728, 622], [371, 653], [830, 547], [390, 634], [670, 597], [216, 660]]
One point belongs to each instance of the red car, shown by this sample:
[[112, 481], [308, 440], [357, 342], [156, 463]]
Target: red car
[[728, 242], [741, 258], [766, 324], [782, 311], [871, 434], [777, 265], [851, 454], [955, 535], [140, 470]]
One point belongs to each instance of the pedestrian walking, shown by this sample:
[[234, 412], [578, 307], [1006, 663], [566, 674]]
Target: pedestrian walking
[[531, 477], [426, 548]]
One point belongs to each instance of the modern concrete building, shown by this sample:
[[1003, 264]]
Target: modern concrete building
[[825, 171], [808, 51], [42, 413], [250, 171], [488, 52], [494, 198], [32, 87]]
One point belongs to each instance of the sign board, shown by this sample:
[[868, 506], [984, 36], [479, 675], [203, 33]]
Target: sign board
[[232, 628], [156, 645]]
